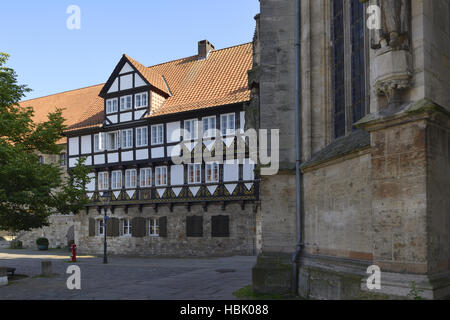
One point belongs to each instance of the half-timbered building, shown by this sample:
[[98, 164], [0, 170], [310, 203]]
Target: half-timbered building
[[129, 133]]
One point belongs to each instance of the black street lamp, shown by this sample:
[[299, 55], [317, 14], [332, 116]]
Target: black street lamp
[[106, 199]]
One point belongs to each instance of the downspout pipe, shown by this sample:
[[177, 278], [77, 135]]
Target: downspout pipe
[[298, 151]]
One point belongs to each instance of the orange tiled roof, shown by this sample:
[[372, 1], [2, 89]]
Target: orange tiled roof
[[221, 79], [151, 76]]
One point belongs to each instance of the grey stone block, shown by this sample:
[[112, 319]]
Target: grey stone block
[[46, 268]]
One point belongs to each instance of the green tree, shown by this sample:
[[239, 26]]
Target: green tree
[[30, 191]]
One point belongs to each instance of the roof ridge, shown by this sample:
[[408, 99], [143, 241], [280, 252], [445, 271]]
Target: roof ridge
[[54, 94], [196, 55]]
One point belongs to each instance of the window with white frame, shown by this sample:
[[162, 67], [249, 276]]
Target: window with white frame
[[125, 103], [160, 176], [103, 181], [146, 178], [126, 227], [100, 227], [111, 105], [116, 180], [190, 129], [127, 138], [227, 124], [212, 172], [112, 140], [153, 227], [157, 134], [194, 173], [141, 137], [99, 142], [141, 100], [63, 159], [130, 178], [209, 126]]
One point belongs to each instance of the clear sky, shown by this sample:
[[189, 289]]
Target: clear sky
[[50, 58]]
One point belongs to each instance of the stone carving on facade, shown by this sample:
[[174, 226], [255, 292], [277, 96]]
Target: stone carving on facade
[[392, 44], [395, 25]]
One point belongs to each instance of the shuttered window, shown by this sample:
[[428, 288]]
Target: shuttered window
[[194, 226], [220, 226], [153, 227], [126, 227], [162, 226]]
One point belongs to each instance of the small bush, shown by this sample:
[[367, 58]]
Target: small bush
[[16, 244], [42, 242]]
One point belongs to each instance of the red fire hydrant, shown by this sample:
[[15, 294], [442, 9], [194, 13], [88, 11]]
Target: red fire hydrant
[[74, 253]]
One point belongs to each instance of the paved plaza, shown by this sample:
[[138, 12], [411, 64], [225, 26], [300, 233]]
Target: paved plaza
[[126, 277]]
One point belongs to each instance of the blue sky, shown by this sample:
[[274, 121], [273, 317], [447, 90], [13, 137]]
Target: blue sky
[[50, 58]]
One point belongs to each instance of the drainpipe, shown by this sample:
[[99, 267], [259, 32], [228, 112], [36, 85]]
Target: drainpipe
[[296, 256]]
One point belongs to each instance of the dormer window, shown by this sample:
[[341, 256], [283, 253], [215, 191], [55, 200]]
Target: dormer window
[[141, 100], [125, 103], [111, 105]]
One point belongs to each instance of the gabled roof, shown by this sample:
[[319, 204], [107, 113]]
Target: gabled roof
[[152, 77], [219, 80]]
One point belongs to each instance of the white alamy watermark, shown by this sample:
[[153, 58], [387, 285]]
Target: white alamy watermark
[[74, 280], [241, 147], [374, 19], [374, 280], [73, 22]]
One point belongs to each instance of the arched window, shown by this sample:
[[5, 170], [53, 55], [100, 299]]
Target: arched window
[[349, 64]]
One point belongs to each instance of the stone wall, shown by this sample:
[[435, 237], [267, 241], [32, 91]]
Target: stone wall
[[59, 232], [438, 197], [338, 203], [242, 239], [278, 213]]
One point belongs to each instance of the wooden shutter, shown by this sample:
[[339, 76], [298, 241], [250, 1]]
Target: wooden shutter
[[109, 227], [194, 226], [91, 227], [220, 226], [163, 227], [138, 227], [115, 227]]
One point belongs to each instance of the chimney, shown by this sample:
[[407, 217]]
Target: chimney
[[204, 47]]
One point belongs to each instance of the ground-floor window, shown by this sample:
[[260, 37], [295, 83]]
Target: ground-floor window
[[153, 227], [126, 227], [220, 226], [100, 227], [194, 226]]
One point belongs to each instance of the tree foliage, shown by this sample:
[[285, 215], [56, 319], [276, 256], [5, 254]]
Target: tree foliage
[[30, 191]]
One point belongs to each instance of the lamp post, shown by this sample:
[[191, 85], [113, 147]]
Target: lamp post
[[106, 198]]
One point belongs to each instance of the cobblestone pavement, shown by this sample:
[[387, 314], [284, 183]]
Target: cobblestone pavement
[[126, 277]]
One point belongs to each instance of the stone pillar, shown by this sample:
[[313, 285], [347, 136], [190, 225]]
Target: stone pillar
[[3, 277], [410, 184]]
